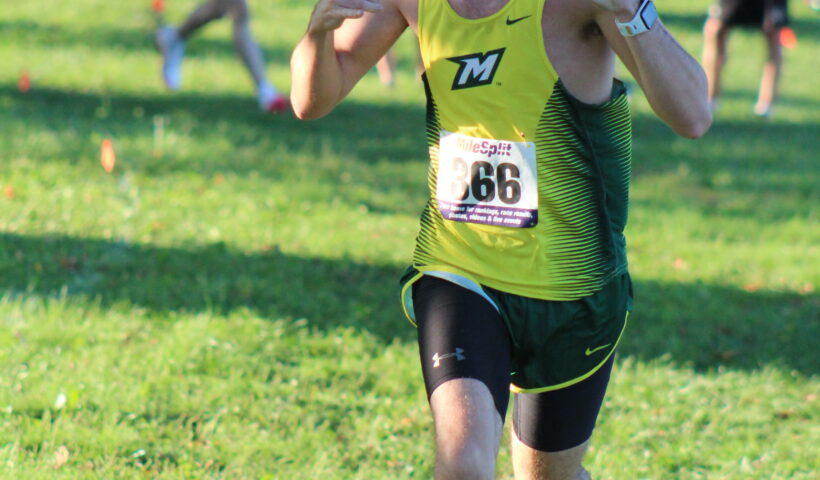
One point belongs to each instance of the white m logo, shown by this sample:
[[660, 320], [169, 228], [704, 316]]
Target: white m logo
[[476, 69]]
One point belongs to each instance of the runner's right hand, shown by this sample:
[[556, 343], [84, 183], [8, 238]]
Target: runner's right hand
[[329, 14]]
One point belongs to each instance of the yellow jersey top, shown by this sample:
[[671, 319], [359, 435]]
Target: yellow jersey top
[[528, 185]]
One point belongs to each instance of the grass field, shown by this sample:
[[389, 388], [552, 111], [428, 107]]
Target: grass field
[[224, 304]]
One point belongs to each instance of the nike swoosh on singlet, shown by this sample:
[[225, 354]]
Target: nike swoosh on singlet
[[510, 22], [590, 351]]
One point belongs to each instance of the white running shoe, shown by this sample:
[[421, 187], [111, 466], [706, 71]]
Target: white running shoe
[[763, 111], [270, 100], [172, 48]]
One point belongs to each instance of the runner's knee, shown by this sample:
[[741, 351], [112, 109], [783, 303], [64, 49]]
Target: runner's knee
[[237, 10], [465, 460], [562, 465], [467, 432], [464, 456]]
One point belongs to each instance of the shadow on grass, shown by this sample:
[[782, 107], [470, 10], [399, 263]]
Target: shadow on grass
[[751, 143], [752, 168], [366, 131], [207, 278], [700, 325], [737, 158], [352, 140], [706, 326]]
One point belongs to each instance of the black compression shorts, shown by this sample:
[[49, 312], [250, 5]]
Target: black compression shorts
[[461, 335]]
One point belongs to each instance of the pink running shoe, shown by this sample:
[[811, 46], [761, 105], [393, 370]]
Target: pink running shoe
[[272, 101]]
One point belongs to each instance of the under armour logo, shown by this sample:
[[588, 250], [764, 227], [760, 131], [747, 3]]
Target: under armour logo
[[476, 69], [438, 358]]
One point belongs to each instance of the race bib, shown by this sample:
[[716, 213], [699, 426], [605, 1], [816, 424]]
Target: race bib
[[492, 182]]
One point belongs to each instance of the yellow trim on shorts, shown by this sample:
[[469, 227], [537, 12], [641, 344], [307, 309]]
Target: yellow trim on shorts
[[406, 298], [569, 383], [406, 293]]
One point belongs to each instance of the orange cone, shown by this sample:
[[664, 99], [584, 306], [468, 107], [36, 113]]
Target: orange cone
[[107, 157], [788, 38], [24, 84]]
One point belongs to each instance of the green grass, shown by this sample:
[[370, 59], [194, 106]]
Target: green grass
[[224, 304]]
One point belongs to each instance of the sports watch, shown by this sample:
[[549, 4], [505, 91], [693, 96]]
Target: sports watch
[[641, 22]]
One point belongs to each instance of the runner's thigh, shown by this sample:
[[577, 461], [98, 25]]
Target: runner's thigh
[[561, 419], [461, 335]]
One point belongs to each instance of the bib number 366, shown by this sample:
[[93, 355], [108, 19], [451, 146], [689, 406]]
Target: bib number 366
[[492, 182], [484, 182]]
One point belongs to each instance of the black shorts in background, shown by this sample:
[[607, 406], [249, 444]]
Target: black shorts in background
[[752, 13]]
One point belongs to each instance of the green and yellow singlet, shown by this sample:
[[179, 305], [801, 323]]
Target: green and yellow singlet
[[528, 186]]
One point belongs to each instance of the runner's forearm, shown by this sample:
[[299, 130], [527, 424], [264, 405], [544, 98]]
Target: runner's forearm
[[674, 83]]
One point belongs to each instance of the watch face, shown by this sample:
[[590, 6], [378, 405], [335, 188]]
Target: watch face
[[649, 14]]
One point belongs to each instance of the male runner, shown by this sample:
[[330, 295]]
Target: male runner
[[770, 16], [519, 278], [171, 42]]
